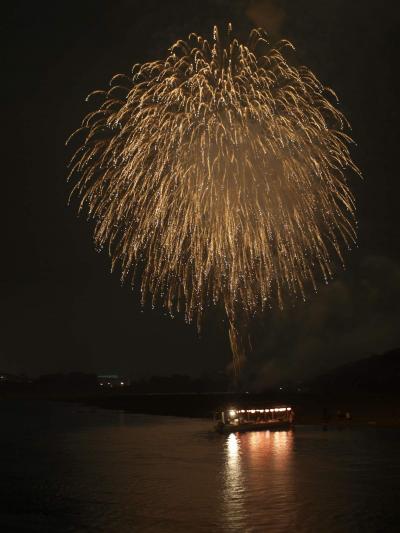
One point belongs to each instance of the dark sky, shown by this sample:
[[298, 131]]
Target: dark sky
[[62, 309]]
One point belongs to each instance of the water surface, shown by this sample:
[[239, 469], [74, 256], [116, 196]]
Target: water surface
[[67, 468]]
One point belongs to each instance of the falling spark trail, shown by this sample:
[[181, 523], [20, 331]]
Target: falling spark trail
[[221, 171]]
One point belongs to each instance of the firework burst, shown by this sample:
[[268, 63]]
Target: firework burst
[[218, 176]]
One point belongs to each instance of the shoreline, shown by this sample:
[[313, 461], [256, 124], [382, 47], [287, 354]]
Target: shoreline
[[369, 411]]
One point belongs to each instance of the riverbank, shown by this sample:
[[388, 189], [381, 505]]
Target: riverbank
[[376, 409], [371, 410]]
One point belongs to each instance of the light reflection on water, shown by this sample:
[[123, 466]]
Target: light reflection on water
[[257, 463], [233, 482], [67, 469]]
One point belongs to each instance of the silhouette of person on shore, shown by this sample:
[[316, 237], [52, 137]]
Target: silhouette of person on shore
[[326, 417]]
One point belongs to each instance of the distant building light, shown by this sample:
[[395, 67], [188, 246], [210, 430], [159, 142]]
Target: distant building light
[[112, 380]]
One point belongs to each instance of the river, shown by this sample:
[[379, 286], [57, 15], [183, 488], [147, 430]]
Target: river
[[66, 468]]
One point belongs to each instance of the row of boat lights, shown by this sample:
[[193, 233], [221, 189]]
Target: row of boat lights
[[252, 411]]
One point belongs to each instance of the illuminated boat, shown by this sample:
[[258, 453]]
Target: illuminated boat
[[274, 418]]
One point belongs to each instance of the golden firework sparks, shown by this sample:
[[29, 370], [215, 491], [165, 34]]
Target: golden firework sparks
[[221, 171]]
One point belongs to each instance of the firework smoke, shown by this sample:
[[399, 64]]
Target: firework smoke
[[218, 175]]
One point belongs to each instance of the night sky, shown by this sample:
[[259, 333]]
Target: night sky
[[62, 310]]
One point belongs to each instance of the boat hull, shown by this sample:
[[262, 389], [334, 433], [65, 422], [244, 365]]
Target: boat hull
[[241, 428]]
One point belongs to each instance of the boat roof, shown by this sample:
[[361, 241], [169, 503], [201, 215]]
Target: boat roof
[[277, 408]]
